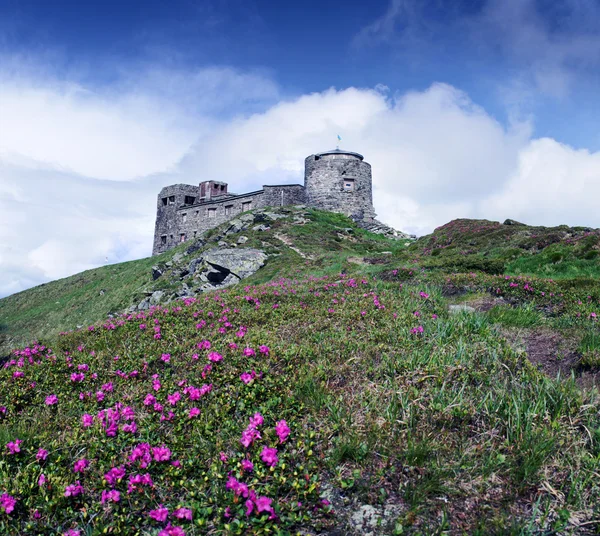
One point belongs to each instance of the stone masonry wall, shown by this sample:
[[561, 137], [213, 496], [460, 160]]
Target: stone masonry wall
[[182, 223], [324, 178]]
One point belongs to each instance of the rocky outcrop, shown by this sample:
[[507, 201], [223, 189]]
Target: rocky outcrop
[[375, 226]]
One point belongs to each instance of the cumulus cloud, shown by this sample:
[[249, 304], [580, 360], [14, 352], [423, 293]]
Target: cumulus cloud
[[436, 156]]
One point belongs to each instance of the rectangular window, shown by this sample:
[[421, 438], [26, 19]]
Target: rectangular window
[[189, 200], [164, 201], [349, 185], [184, 217], [182, 237], [163, 240], [194, 234], [171, 200], [197, 212], [228, 209], [212, 212], [246, 206]]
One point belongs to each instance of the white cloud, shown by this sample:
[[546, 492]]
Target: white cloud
[[435, 156]]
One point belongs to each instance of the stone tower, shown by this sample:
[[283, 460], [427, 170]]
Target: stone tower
[[340, 181]]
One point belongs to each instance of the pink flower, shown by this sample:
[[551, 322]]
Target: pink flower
[[7, 503], [51, 400], [263, 504], [247, 377], [42, 480], [223, 457], [100, 396], [248, 352], [249, 435], [256, 420], [269, 456], [72, 490], [72, 532], [171, 530], [174, 398], [249, 507], [160, 514], [283, 431], [87, 420], [215, 357], [247, 466], [41, 455], [194, 412], [114, 475], [110, 496], [161, 454], [130, 428], [417, 330], [183, 513], [77, 377], [143, 480], [165, 357], [13, 446], [81, 465], [264, 349]]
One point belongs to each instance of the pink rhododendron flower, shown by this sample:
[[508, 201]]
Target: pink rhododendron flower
[[149, 400], [223, 457], [130, 428], [81, 465], [215, 357], [51, 400], [143, 453], [247, 377], [417, 330], [269, 456], [263, 504], [171, 530], [194, 412], [139, 480], [7, 503], [87, 420], [110, 496], [264, 349], [248, 352], [256, 420], [72, 490], [41, 455], [14, 446], [160, 514], [247, 465], [42, 480], [174, 398], [114, 475], [249, 435], [77, 377], [283, 431], [100, 396], [239, 488], [165, 357], [183, 513], [161, 454], [72, 532]]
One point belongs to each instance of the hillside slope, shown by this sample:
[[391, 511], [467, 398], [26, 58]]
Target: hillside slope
[[296, 240], [353, 385]]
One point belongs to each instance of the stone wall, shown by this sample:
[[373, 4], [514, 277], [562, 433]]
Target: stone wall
[[325, 178], [182, 223]]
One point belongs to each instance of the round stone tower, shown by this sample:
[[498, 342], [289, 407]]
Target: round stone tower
[[340, 181]]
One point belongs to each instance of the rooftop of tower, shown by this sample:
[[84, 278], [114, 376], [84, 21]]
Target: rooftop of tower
[[338, 151]]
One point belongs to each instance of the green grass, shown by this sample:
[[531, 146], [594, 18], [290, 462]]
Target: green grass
[[525, 316]]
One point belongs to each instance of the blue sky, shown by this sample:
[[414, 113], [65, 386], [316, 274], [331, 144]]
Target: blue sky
[[312, 45], [483, 108]]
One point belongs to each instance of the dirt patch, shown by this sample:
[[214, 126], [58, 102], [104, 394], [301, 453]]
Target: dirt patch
[[553, 354]]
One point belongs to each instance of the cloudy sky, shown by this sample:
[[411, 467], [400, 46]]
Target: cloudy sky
[[470, 108]]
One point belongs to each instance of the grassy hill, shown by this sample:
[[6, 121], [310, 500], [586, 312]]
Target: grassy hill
[[354, 385]]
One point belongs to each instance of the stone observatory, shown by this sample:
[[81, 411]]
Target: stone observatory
[[340, 181], [336, 180]]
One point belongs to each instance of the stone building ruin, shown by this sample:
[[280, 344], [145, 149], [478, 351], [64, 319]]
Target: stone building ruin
[[337, 180]]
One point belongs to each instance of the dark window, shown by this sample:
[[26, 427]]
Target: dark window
[[222, 187], [189, 200], [164, 201], [163, 239], [171, 200], [182, 237]]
